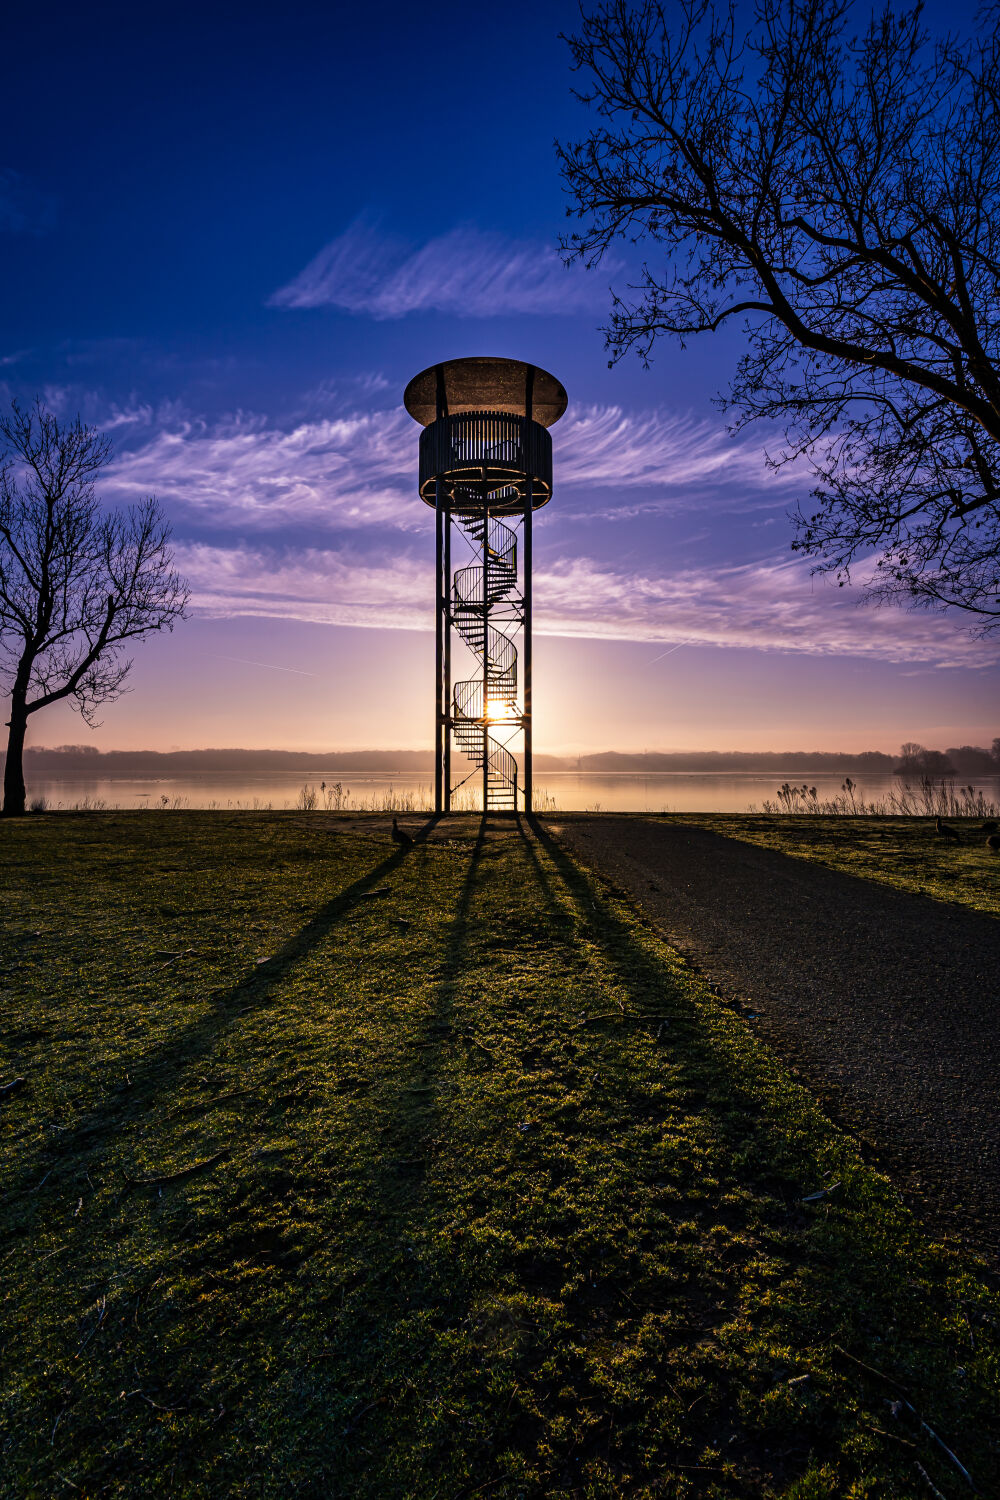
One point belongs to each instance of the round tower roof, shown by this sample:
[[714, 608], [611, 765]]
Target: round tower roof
[[483, 383]]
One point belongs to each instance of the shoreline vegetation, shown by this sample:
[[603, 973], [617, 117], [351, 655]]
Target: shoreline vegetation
[[338, 1167], [87, 761], [919, 797], [923, 797]]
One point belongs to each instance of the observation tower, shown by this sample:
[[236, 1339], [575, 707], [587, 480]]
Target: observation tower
[[485, 467]]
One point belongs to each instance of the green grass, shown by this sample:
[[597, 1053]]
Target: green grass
[[470, 1189], [904, 852]]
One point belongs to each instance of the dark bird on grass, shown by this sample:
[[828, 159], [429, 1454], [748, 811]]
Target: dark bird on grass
[[993, 843], [947, 832], [400, 835], [989, 825]]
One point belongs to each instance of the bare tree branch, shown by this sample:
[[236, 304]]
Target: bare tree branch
[[839, 191]]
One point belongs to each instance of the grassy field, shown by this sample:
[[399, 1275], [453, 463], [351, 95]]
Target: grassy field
[[338, 1170], [905, 852]]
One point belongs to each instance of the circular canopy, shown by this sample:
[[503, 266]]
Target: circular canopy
[[483, 383]]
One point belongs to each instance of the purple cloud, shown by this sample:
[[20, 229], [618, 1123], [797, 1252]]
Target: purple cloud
[[468, 272]]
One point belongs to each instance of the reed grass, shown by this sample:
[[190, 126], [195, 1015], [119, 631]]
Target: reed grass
[[927, 797]]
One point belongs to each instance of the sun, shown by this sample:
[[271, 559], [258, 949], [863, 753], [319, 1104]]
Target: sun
[[498, 710]]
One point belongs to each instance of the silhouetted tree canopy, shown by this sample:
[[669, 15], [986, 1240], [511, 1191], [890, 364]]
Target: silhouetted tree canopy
[[915, 760], [831, 179], [77, 584]]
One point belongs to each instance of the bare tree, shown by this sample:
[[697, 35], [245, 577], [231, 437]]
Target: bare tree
[[76, 584], [838, 193]]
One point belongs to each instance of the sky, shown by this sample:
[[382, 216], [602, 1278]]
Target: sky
[[229, 234]]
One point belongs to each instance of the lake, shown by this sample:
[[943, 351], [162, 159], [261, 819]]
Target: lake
[[556, 791]]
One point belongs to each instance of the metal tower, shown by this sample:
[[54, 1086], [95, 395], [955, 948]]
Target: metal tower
[[485, 467]]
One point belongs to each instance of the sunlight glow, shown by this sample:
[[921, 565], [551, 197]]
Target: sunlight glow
[[499, 711]]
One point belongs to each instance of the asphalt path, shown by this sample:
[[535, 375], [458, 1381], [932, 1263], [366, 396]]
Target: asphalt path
[[888, 1004]]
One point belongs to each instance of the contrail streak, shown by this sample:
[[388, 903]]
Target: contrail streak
[[268, 664], [666, 653]]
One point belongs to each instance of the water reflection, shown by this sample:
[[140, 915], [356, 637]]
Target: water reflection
[[560, 791]]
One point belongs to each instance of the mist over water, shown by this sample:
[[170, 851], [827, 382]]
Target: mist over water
[[555, 791]]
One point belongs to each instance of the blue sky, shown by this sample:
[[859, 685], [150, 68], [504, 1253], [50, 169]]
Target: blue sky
[[229, 235]]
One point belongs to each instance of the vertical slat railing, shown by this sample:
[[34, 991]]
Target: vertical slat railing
[[504, 442]]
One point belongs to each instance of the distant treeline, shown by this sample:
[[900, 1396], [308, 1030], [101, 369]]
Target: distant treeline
[[960, 760], [84, 760], [695, 761]]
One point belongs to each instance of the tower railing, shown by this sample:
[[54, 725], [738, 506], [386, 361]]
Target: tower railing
[[495, 450]]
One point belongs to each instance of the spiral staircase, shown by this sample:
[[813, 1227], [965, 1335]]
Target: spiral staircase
[[479, 595]]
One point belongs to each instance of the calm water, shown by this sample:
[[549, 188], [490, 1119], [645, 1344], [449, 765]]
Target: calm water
[[568, 791]]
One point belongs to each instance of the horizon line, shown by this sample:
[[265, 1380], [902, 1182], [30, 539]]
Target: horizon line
[[93, 750]]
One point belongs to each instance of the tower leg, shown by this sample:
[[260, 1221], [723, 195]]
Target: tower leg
[[526, 645], [486, 647], [439, 651], [446, 627]]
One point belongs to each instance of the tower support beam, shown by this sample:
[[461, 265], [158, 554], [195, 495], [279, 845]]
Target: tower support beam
[[441, 627], [526, 642], [486, 646], [446, 626]]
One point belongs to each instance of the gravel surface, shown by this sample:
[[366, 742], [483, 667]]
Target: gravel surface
[[887, 1003]]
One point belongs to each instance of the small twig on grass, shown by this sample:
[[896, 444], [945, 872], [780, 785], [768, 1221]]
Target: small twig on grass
[[197, 1166], [928, 1480], [6, 1089], [905, 1401], [155, 1404], [604, 1015], [482, 1488], [892, 1436], [173, 957], [102, 1306], [55, 1424], [212, 1104], [823, 1193]]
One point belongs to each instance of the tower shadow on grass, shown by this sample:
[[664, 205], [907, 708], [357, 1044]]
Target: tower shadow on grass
[[395, 1289], [735, 1081], [171, 1060], [856, 1264], [410, 1131]]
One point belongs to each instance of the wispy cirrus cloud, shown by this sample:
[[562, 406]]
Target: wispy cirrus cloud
[[320, 585], [467, 272], [356, 468], [770, 606], [606, 447], [349, 471]]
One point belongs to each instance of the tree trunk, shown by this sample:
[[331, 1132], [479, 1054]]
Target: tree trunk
[[13, 775]]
